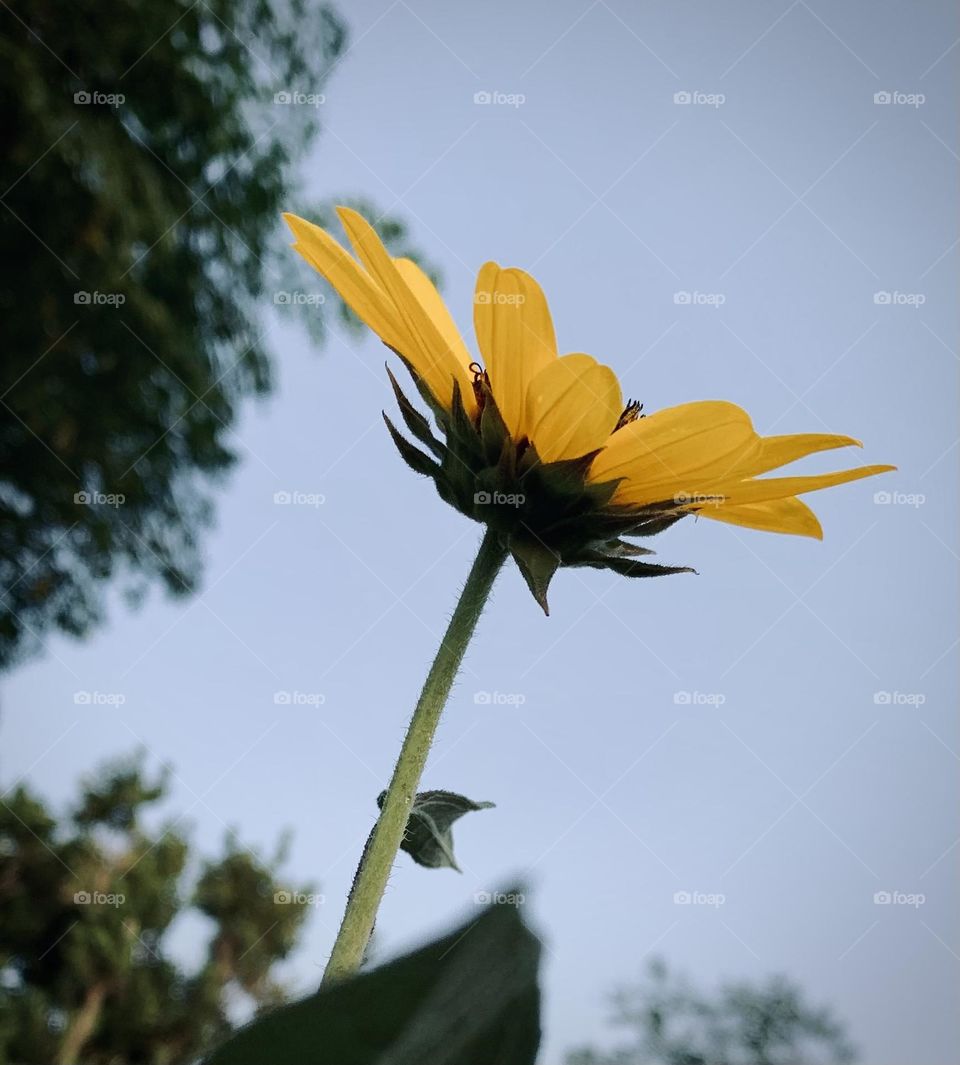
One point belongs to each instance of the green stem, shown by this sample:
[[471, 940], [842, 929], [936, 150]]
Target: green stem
[[384, 842]]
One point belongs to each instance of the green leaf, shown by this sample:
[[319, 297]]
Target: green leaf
[[428, 838], [470, 998]]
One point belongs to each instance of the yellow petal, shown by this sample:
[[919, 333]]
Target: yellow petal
[[572, 407], [361, 294], [776, 451], [432, 302], [764, 489], [516, 338], [428, 352], [679, 451], [788, 515]]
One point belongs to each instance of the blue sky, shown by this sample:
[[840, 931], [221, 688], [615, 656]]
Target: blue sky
[[779, 730]]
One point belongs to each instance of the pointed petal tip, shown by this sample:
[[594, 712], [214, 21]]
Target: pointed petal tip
[[348, 214], [294, 222]]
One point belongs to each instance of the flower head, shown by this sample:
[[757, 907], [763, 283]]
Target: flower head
[[541, 446]]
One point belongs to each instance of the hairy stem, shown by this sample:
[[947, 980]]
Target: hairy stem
[[384, 841]]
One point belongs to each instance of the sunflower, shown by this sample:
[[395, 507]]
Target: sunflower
[[541, 446]]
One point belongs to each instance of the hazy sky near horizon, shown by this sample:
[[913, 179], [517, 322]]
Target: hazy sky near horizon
[[718, 204]]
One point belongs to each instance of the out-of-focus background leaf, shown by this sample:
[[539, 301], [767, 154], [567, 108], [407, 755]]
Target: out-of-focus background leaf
[[470, 998]]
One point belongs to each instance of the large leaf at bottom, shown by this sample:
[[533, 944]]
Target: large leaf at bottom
[[470, 998]]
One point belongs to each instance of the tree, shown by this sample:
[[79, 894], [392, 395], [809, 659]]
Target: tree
[[86, 905], [767, 1024], [150, 149]]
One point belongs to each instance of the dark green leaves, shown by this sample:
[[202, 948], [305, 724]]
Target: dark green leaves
[[470, 998], [429, 835]]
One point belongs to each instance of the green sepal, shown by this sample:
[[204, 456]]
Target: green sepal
[[538, 563], [412, 456], [623, 549], [494, 434], [428, 837], [436, 408], [414, 420], [626, 567], [567, 477]]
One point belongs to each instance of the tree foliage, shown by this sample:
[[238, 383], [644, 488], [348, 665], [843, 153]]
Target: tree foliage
[[149, 150], [742, 1024], [87, 902]]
